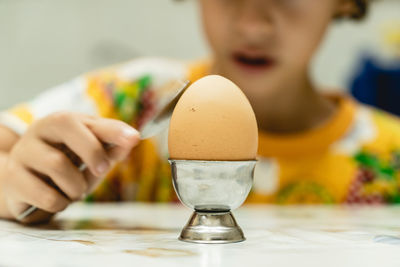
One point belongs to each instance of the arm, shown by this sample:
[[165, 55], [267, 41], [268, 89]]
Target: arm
[[7, 140]]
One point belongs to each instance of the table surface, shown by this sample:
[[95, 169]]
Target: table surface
[[146, 235]]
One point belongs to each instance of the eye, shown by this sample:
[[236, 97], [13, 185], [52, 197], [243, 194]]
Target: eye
[[229, 4], [288, 3], [293, 6]]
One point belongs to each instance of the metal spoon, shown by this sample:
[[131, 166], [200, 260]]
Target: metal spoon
[[158, 122]]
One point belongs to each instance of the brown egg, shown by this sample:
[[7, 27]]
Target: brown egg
[[213, 120]]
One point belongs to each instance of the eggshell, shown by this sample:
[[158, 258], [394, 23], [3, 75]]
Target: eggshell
[[213, 120]]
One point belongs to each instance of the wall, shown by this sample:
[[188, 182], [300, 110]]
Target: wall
[[46, 42]]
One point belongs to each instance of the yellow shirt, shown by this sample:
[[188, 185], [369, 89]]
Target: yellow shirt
[[354, 157]]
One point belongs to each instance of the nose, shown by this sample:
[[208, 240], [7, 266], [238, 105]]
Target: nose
[[254, 20]]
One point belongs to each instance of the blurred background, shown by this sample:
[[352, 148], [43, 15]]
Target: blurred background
[[47, 42]]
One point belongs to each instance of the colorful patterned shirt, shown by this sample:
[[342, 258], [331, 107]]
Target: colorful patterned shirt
[[354, 157]]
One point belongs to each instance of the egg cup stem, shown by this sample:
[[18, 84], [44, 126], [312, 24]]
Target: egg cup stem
[[212, 228]]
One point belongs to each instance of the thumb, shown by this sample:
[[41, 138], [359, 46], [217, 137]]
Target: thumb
[[115, 132]]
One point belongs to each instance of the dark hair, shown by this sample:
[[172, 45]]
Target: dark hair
[[358, 10], [360, 13], [362, 9]]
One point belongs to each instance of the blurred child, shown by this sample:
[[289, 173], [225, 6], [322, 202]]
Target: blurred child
[[313, 148]]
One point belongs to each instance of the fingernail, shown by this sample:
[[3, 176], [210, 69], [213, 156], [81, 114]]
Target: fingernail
[[102, 167], [129, 132]]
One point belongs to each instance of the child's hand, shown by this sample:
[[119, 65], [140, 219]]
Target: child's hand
[[34, 162]]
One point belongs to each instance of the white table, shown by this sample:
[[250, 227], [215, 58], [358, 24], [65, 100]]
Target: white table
[[146, 235]]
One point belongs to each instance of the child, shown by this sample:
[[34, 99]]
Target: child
[[313, 148]]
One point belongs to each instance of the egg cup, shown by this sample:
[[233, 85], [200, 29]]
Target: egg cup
[[212, 189]]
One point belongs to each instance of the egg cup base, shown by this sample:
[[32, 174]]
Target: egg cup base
[[212, 228]]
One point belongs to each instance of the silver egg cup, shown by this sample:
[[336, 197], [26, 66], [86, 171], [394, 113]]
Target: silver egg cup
[[212, 189]]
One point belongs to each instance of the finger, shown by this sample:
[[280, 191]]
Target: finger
[[93, 181], [78, 138], [33, 191], [121, 135], [56, 165], [38, 216]]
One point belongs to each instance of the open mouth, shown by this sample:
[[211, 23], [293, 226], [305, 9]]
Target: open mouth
[[253, 62]]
